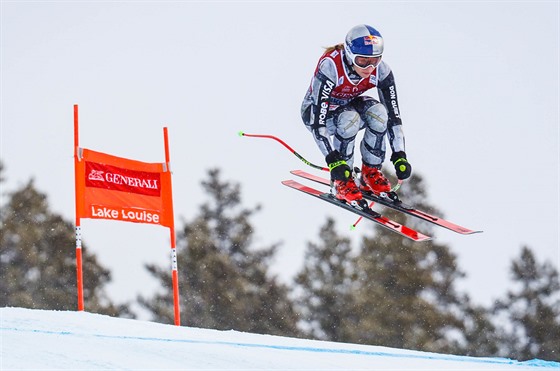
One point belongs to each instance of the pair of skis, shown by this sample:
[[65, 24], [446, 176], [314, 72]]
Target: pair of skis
[[363, 210], [369, 214]]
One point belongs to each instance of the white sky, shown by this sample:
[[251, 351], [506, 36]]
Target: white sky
[[478, 84]]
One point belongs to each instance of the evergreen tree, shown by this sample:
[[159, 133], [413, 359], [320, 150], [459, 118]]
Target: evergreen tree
[[326, 285], [37, 263], [407, 293], [481, 337], [2, 179], [224, 283], [533, 310], [393, 292]]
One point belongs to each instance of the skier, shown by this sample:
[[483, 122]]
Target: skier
[[334, 106]]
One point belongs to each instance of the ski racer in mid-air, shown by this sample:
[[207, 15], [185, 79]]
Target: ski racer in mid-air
[[335, 107]]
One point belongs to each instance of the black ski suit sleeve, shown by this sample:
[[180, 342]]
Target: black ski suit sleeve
[[388, 96], [319, 111]]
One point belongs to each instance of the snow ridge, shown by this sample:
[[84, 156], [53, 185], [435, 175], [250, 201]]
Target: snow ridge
[[79, 340]]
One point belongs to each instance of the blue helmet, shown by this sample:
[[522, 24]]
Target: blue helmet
[[363, 41]]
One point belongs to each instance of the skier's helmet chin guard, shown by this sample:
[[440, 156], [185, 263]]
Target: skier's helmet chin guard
[[363, 46]]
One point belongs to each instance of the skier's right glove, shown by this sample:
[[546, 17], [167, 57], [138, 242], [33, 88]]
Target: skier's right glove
[[338, 167]]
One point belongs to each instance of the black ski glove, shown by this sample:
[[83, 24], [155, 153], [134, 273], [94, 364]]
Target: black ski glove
[[402, 166], [338, 167]]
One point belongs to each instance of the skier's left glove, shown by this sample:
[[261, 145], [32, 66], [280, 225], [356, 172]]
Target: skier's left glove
[[402, 166]]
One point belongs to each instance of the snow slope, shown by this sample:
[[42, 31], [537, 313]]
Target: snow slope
[[38, 339]]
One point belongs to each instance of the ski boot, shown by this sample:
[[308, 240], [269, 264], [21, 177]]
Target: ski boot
[[347, 191], [372, 180]]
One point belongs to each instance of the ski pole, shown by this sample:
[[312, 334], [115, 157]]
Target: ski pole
[[397, 186], [242, 134], [353, 226]]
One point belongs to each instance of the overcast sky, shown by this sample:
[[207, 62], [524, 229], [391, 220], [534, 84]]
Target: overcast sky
[[478, 84]]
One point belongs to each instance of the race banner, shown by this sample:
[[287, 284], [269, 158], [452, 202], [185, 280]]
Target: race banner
[[116, 188]]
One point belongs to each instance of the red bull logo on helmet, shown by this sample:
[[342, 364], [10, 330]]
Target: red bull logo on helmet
[[371, 40]]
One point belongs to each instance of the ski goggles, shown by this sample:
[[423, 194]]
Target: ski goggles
[[363, 61]]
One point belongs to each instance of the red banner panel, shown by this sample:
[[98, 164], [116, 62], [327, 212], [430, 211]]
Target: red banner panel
[[117, 188]]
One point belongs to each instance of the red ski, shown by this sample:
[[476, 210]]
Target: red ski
[[396, 205], [365, 212]]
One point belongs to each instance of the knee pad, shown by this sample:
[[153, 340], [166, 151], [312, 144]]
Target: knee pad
[[348, 124], [376, 118]]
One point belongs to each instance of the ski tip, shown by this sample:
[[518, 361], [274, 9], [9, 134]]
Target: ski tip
[[466, 231], [240, 133]]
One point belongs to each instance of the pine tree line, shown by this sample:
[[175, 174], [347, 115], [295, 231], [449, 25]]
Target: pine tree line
[[386, 291], [37, 267]]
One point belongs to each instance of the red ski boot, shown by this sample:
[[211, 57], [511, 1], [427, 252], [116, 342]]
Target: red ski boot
[[373, 180], [347, 190]]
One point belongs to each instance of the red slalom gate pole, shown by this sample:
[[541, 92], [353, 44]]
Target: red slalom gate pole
[[174, 269], [79, 272]]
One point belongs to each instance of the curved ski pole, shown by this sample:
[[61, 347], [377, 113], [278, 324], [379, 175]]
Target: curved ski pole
[[397, 186], [242, 134]]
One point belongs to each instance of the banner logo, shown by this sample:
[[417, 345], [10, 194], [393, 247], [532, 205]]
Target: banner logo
[[96, 175], [124, 180]]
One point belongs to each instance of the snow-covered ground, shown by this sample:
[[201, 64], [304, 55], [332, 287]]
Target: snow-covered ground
[[39, 339]]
